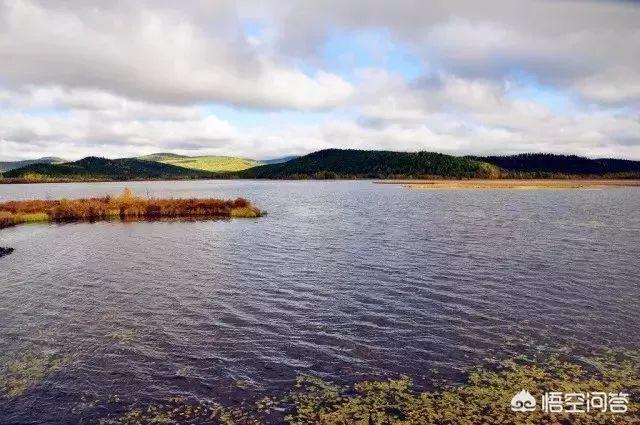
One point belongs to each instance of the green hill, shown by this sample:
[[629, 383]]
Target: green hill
[[93, 168], [338, 163], [211, 163]]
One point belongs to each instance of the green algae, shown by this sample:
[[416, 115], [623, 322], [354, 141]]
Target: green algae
[[30, 368]]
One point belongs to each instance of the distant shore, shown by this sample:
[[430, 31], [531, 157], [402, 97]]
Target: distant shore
[[515, 183], [435, 183]]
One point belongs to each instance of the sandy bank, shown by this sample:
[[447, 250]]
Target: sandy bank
[[515, 184]]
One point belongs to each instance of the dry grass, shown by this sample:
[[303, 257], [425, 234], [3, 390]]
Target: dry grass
[[125, 207]]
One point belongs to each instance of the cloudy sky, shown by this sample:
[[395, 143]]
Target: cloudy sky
[[264, 79]]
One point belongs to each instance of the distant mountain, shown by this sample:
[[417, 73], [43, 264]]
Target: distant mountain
[[162, 156], [219, 164], [561, 164], [93, 168], [278, 160], [11, 165], [339, 163], [328, 164]]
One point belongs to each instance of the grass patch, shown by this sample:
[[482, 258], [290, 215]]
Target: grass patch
[[212, 163]]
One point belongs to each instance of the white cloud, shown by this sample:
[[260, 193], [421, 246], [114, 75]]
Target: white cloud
[[617, 86], [98, 123], [151, 54], [129, 77]]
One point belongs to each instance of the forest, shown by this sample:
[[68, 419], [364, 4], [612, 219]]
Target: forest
[[347, 163], [539, 164]]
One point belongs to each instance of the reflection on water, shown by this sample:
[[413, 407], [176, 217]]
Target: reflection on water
[[343, 280]]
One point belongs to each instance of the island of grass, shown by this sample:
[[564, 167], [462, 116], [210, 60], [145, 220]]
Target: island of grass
[[124, 207]]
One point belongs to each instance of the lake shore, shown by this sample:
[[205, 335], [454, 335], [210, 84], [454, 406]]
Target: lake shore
[[522, 184]]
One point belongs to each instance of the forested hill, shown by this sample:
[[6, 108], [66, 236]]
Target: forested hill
[[334, 163], [338, 163], [561, 164], [94, 168]]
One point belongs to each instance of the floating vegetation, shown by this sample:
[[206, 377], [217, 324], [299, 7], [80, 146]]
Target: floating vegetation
[[123, 336], [485, 398], [30, 368], [5, 251], [181, 410]]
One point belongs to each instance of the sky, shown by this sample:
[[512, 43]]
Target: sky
[[265, 79]]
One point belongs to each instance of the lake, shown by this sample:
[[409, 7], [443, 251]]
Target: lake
[[343, 280]]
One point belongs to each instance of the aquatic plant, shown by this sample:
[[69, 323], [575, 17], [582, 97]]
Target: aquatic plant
[[28, 369], [123, 336], [484, 398], [125, 207], [182, 410]]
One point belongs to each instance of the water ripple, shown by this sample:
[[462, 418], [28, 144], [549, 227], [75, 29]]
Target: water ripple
[[345, 280]]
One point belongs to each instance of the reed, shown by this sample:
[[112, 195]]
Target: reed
[[127, 206]]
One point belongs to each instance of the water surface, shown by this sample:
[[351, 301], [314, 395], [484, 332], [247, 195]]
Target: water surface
[[344, 280]]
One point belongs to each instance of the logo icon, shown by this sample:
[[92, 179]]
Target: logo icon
[[523, 402]]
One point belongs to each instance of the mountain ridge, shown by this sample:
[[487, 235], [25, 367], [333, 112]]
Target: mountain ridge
[[338, 164], [96, 168]]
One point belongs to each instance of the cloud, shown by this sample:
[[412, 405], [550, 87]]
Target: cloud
[[152, 54], [132, 77], [458, 115], [615, 86], [557, 42], [451, 115], [91, 121]]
